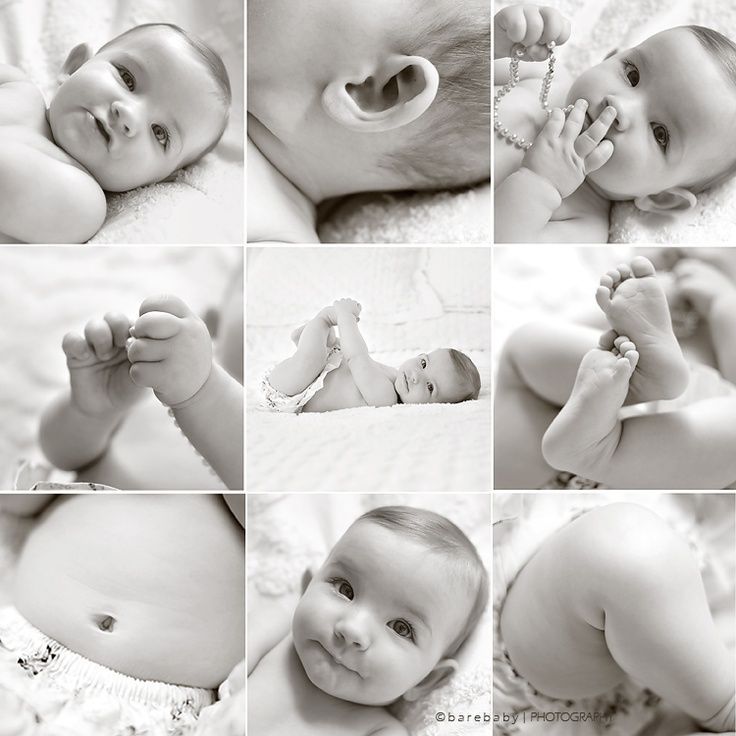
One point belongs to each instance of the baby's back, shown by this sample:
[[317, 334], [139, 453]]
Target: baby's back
[[45, 195], [282, 700], [149, 585]]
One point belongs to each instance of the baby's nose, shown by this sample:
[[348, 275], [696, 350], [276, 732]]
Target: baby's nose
[[623, 108], [124, 118]]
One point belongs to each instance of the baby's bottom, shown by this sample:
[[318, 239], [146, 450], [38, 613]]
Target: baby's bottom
[[295, 374], [616, 593], [45, 686]]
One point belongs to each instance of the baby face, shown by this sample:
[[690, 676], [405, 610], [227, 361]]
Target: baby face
[[378, 616], [430, 378], [675, 114], [138, 110]]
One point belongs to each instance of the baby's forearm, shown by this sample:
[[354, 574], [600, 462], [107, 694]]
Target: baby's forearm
[[351, 341], [71, 439], [212, 420], [524, 205]]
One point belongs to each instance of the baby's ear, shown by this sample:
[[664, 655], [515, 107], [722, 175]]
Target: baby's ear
[[79, 55], [397, 92], [442, 670], [306, 579], [674, 199]]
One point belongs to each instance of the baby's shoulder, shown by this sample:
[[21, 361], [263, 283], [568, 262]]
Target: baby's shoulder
[[277, 210]]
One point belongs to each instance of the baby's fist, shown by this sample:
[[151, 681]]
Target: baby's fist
[[531, 26], [347, 305], [170, 349]]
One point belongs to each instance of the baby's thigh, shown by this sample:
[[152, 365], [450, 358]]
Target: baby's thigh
[[553, 618]]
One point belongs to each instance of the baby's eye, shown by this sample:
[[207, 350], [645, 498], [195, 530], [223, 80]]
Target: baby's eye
[[161, 134], [632, 73], [127, 77], [423, 363], [343, 587], [430, 386], [402, 628], [661, 135]]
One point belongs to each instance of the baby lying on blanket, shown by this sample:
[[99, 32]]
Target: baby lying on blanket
[[346, 96], [326, 374], [634, 607], [103, 428], [382, 619], [649, 124], [106, 635], [688, 444], [148, 103]]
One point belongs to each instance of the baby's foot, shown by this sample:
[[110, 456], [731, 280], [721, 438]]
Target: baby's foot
[[587, 430], [634, 302]]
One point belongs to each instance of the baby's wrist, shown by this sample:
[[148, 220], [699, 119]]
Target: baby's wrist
[[544, 189]]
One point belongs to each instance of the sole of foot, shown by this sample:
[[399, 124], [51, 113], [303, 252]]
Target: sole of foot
[[587, 429], [634, 302]]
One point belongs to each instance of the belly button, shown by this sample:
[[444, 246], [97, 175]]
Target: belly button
[[105, 623]]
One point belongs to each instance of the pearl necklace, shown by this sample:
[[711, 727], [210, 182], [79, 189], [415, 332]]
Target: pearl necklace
[[517, 52]]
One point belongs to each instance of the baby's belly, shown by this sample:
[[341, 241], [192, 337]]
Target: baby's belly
[[152, 586], [339, 392]]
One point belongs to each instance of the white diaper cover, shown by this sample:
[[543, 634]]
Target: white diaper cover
[[48, 690], [277, 401]]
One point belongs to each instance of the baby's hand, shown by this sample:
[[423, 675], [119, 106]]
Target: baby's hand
[[170, 350], [563, 154], [531, 26], [98, 367], [349, 306], [702, 284]]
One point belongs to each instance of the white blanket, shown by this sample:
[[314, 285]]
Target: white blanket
[[289, 534], [205, 203], [600, 26], [415, 300]]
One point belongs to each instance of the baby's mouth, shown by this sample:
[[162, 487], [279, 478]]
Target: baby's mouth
[[406, 382], [103, 130]]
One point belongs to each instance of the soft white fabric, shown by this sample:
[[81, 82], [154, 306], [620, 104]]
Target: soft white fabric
[[600, 26], [205, 203], [436, 447], [442, 217], [46, 292], [288, 534]]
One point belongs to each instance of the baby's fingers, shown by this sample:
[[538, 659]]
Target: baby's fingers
[[600, 156], [147, 351], [99, 336], [575, 120], [589, 139], [75, 346], [534, 25], [556, 27], [156, 325], [119, 326], [512, 22]]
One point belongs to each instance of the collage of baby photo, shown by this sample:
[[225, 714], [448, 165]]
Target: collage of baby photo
[[369, 368]]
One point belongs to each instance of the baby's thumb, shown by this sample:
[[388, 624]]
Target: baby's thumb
[[599, 157]]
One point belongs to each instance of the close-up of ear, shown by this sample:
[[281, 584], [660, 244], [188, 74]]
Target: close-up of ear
[[79, 55], [674, 199], [399, 91]]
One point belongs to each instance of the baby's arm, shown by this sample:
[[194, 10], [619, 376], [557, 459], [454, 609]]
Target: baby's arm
[[77, 426], [44, 200], [268, 625], [171, 352], [374, 385]]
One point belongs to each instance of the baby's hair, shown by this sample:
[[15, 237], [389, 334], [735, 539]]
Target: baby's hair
[[466, 368], [723, 50], [452, 147], [440, 535], [212, 62]]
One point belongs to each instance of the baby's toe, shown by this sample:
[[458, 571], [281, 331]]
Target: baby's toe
[[641, 267], [75, 346]]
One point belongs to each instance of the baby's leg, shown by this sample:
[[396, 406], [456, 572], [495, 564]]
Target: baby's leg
[[535, 377], [294, 374], [634, 302], [614, 592]]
